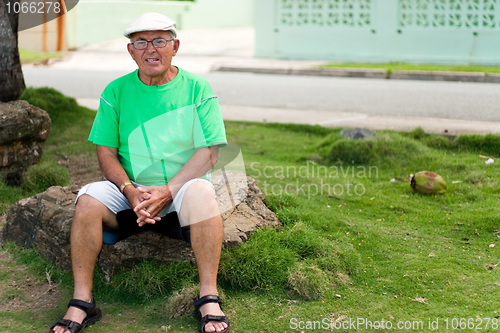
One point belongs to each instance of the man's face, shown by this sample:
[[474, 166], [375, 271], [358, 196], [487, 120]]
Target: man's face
[[154, 63]]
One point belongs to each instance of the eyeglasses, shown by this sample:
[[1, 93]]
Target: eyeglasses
[[157, 42]]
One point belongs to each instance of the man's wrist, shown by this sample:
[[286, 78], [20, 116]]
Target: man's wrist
[[173, 188], [169, 193], [125, 184]]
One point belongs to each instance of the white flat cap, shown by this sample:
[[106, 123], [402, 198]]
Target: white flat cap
[[151, 22]]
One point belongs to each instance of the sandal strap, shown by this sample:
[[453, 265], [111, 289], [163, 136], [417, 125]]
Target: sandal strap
[[93, 315], [208, 318], [82, 305], [69, 325], [199, 302]]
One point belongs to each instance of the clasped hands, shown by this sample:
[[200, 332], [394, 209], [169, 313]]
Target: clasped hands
[[149, 201]]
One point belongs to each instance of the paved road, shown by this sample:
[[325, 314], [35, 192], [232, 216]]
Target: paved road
[[74, 83], [397, 98], [454, 100]]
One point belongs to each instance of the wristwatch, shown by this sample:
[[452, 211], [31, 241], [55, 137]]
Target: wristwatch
[[122, 186]]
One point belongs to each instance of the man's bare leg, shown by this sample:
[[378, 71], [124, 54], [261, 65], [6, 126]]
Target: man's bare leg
[[86, 243], [206, 228]]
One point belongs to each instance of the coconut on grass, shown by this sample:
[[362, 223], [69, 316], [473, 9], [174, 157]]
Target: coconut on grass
[[428, 182]]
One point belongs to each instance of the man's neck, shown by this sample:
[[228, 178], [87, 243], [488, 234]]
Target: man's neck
[[159, 80]]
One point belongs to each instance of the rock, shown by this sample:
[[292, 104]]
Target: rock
[[357, 134], [23, 131], [44, 222]]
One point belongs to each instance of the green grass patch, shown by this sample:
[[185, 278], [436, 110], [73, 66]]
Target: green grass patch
[[149, 279], [390, 67], [28, 57], [71, 122], [9, 195], [67, 142], [356, 241], [37, 265], [43, 175]]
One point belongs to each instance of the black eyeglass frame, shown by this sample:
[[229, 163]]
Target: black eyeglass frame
[[153, 42]]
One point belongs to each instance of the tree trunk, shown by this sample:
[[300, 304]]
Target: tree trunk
[[11, 75]]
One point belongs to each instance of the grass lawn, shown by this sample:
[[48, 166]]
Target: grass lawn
[[390, 67], [28, 57], [358, 248]]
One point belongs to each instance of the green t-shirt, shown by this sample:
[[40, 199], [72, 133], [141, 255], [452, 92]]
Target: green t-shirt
[[156, 129]]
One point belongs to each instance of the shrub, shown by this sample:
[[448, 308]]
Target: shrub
[[285, 208], [439, 142], [418, 133], [485, 144], [39, 177], [387, 149], [50, 100], [150, 278], [309, 281], [277, 202], [351, 151], [302, 239], [260, 263], [338, 256]]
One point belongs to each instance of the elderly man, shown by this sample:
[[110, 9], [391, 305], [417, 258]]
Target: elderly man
[[157, 133]]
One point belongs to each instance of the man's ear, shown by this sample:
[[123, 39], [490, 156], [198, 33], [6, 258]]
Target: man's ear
[[177, 44], [130, 51]]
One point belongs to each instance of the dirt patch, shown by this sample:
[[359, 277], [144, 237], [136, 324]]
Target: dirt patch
[[3, 220], [83, 170], [19, 290]]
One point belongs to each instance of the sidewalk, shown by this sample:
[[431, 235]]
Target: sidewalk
[[207, 50]]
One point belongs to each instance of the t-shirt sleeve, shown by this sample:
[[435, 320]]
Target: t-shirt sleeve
[[104, 131], [211, 122]]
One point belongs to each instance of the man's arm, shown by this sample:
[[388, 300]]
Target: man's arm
[[197, 166], [114, 172]]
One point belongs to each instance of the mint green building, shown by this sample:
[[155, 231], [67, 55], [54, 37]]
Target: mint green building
[[98, 20], [93, 21], [431, 31]]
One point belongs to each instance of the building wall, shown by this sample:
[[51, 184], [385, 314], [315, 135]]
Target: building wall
[[438, 31], [43, 38], [94, 21]]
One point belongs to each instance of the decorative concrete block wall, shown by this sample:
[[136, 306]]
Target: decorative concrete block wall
[[440, 31]]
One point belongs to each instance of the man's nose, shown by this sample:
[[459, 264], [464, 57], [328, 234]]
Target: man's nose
[[150, 47]]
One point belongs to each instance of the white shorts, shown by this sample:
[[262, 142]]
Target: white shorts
[[109, 195]]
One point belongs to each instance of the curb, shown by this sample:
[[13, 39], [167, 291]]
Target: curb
[[438, 76], [369, 73], [343, 72], [336, 72], [492, 78]]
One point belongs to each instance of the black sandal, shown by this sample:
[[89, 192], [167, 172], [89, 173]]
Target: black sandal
[[93, 315], [199, 302]]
